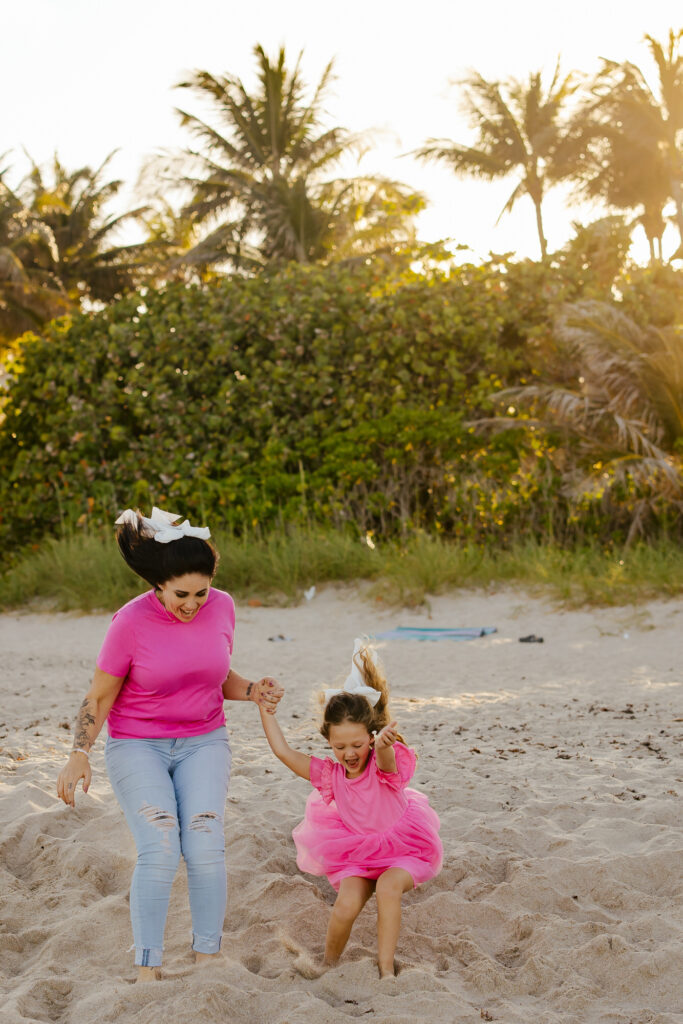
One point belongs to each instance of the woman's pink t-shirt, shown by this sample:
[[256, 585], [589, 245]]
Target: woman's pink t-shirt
[[174, 671]]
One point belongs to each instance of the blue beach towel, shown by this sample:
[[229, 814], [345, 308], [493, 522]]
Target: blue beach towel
[[434, 633]]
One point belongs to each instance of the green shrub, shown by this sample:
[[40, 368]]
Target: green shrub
[[339, 395], [227, 401]]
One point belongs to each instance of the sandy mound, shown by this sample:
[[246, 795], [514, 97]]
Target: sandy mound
[[555, 769]]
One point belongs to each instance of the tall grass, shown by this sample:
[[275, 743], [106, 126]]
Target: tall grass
[[585, 575], [84, 573], [279, 567], [87, 573]]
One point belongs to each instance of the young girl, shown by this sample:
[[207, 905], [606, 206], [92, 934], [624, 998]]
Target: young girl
[[362, 827]]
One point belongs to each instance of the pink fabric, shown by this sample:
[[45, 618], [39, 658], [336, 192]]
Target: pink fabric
[[364, 826], [173, 670]]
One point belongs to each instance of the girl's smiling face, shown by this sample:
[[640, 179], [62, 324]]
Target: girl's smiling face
[[183, 596], [352, 745]]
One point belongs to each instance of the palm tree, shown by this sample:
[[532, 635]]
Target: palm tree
[[29, 296], [175, 235], [635, 160], [621, 403], [71, 207], [262, 182], [521, 129], [622, 166]]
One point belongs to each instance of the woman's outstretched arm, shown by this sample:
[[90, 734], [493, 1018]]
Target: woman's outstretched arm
[[297, 762], [266, 692]]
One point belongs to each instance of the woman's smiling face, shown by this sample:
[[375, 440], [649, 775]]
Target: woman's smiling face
[[352, 745], [183, 596]]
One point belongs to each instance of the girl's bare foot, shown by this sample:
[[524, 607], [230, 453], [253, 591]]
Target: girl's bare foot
[[148, 974], [308, 967], [386, 972]]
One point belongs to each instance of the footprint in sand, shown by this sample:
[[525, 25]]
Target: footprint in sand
[[46, 1000], [24, 942], [253, 964]]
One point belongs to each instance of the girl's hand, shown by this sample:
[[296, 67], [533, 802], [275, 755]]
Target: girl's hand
[[267, 693], [386, 737], [75, 769]]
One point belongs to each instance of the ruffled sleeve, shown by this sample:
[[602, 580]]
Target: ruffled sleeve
[[321, 777], [405, 768]]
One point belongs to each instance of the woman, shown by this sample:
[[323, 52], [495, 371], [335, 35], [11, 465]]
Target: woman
[[161, 678]]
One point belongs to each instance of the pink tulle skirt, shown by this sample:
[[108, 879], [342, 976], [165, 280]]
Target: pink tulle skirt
[[326, 846]]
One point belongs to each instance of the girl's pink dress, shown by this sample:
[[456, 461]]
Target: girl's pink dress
[[364, 826]]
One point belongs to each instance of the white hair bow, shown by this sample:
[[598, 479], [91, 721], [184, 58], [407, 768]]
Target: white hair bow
[[161, 525], [354, 682]]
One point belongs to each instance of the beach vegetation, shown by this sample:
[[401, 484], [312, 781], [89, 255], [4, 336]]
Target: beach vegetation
[[29, 295], [282, 359], [359, 396], [523, 130], [58, 248], [85, 573], [633, 135], [262, 175], [618, 408]]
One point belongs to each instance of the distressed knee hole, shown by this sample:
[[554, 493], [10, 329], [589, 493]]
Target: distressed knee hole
[[158, 817], [202, 822], [163, 820]]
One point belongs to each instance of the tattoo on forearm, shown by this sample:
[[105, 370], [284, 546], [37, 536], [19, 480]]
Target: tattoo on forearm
[[85, 720], [250, 687]]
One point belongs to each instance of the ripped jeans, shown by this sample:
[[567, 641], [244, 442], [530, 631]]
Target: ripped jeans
[[172, 792]]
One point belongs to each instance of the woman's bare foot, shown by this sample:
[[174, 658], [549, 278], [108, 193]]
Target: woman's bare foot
[[206, 958], [148, 974], [386, 972]]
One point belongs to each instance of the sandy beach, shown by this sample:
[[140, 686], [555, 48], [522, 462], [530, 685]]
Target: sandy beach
[[555, 768]]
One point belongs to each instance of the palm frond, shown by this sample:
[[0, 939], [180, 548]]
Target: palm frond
[[267, 160]]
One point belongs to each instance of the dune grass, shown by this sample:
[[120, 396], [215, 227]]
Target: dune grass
[[574, 577], [86, 573]]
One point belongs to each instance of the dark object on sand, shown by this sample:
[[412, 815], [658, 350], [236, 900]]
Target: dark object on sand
[[531, 639]]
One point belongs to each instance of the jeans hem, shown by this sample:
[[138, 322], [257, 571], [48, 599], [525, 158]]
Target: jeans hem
[[148, 956], [202, 945]]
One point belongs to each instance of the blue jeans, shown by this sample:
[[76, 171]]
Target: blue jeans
[[172, 792]]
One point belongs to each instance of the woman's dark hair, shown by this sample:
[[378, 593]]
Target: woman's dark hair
[[157, 563], [353, 707]]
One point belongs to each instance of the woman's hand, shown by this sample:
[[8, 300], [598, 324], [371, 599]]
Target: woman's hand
[[76, 768], [91, 715], [267, 693], [386, 737]]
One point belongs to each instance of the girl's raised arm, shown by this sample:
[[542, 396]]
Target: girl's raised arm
[[384, 748], [297, 762]]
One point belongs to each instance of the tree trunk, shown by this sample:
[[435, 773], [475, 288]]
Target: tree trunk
[[539, 227], [678, 200]]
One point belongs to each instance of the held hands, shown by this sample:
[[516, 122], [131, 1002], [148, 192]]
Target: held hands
[[267, 693], [76, 768], [386, 737]]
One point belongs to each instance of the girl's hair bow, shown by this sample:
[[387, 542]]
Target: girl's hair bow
[[354, 682], [161, 526]]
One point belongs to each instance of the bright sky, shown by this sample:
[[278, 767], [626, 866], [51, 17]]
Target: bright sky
[[83, 77]]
